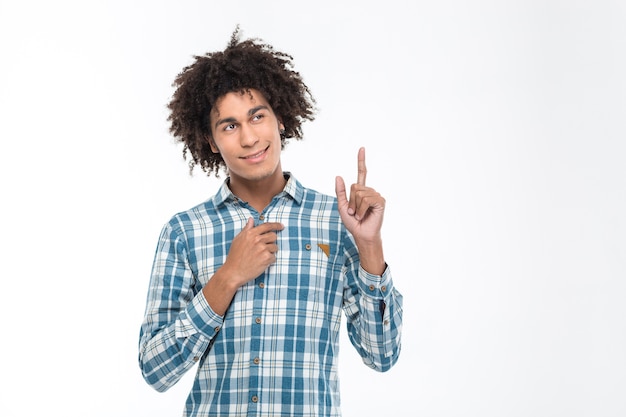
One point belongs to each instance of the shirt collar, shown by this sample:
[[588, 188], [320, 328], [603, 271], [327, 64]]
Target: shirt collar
[[293, 189]]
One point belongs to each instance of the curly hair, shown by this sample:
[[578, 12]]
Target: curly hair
[[243, 65]]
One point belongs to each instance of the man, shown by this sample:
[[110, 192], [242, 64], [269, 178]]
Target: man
[[251, 284]]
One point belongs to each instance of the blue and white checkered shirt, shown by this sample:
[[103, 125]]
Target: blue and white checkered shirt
[[274, 352]]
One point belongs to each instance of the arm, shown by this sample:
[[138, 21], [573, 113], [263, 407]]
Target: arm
[[179, 324], [181, 320], [371, 303], [373, 309]]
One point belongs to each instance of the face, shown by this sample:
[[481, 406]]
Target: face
[[246, 133]]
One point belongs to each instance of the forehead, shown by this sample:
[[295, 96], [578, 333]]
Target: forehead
[[238, 102]]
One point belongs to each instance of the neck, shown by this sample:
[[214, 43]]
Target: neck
[[258, 193]]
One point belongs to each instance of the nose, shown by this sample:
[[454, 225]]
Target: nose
[[248, 136]]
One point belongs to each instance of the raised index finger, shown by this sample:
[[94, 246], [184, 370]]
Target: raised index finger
[[361, 166]]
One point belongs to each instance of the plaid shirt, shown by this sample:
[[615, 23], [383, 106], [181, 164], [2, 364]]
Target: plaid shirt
[[274, 352]]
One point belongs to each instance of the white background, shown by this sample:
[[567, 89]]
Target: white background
[[495, 130]]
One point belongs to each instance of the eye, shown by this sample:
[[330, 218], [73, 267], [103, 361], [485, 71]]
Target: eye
[[257, 117], [229, 127]]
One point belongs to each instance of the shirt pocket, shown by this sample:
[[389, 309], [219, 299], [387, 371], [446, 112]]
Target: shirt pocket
[[319, 277]]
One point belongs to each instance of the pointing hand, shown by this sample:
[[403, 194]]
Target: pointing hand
[[363, 213]]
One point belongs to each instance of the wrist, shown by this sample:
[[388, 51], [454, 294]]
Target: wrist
[[372, 258]]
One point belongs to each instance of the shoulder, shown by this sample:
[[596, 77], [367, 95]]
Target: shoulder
[[193, 218], [314, 198]]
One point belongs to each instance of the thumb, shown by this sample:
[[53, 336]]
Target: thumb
[[250, 224], [340, 190]]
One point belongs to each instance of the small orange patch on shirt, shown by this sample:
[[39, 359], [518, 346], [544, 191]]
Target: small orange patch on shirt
[[325, 248]]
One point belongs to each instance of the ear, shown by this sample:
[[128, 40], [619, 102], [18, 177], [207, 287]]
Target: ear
[[212, 144], [279, 120]]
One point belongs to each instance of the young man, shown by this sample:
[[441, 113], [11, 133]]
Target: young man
[[250, 285]]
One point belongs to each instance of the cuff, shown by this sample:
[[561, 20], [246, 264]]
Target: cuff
[[203, 318], [376, 286]]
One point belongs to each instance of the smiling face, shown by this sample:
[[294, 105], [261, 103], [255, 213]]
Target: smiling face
[[246, 132]]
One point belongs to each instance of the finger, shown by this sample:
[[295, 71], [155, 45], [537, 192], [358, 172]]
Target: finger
[[250, 224], [353, 200], [362, 170], [367, 201], [362, 207], [268, 238], [340, 190], [269, 227]]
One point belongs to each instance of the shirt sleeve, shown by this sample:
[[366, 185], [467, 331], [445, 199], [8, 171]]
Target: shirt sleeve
[[373, 309], [178, 324]]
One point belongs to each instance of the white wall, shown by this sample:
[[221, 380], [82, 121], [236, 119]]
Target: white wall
[[494, 129]]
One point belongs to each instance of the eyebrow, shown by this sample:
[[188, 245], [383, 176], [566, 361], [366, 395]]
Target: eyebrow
[[230, 120]]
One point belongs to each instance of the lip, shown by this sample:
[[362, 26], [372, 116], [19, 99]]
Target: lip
[[256, 156]]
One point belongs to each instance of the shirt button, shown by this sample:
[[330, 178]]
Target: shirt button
[[307, 246], [196, 359], [383, 288], [372, 288], [256, 361], [261, 285], [255, 399], [261, 217], [386, 322], [217, 329], [257, 320]]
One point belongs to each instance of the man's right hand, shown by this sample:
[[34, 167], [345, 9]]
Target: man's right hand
[[252, 251]]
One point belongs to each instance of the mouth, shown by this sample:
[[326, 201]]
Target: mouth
[[256, 155]]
